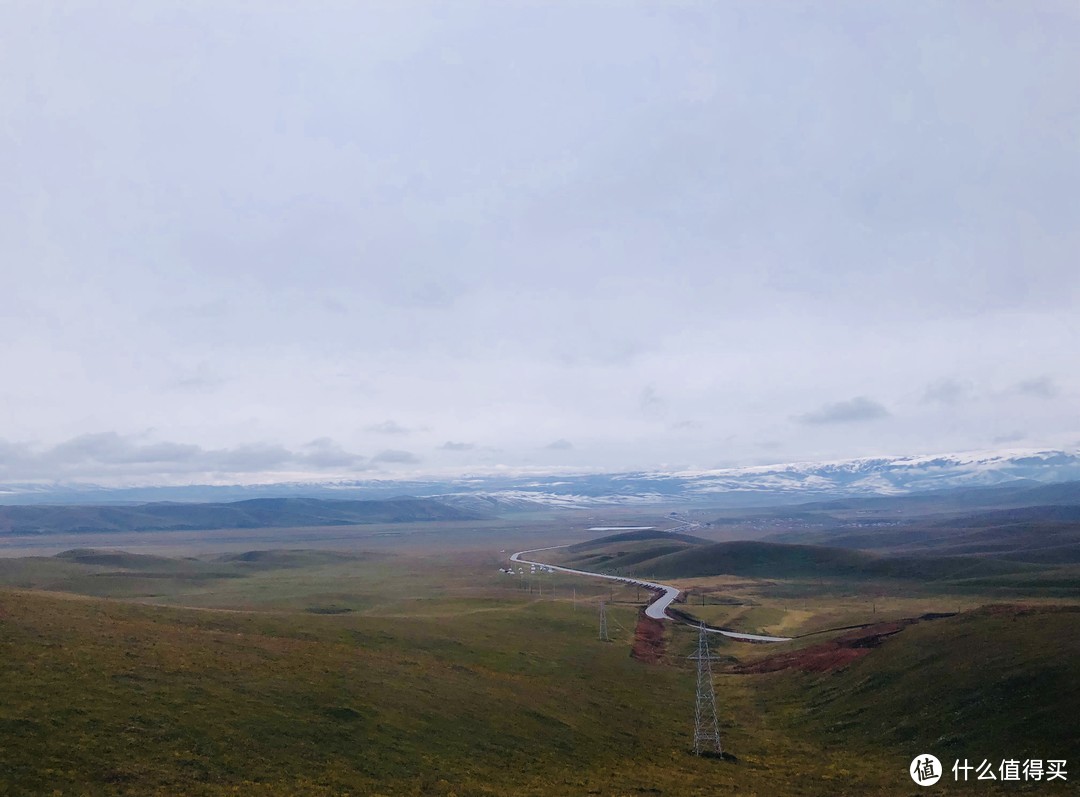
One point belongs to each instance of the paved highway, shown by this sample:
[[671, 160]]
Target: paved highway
[[657, 609]]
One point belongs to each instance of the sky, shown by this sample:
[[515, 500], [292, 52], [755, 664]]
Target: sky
[[244, 242]]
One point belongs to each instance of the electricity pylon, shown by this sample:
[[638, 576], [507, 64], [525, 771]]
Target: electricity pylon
[[603, 623], [706, 725]]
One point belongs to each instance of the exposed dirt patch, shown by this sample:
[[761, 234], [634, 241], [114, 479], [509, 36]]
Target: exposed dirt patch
[[650, 641], [1021, 609], [830, 655]]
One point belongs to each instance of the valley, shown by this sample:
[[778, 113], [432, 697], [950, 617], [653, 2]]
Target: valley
[[405, 660]]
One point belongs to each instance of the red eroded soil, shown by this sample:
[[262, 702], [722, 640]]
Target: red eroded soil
[[830, 655], [650, 643]]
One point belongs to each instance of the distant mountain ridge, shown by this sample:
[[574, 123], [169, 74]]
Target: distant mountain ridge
[[898, 475], [741, 486], [255, 513]]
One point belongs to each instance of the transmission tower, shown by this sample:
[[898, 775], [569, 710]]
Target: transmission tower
[[603, 623], [706, 725]]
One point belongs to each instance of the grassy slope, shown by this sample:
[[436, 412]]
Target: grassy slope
[[658, 558], [994, 683], [1047, 541], [102, 697], [644, 535], [121, 574], [448, 678]]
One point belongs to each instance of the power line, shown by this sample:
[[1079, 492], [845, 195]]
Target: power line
[[603, 623], [706, 725]]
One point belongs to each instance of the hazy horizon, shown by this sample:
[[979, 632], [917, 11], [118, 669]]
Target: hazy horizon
[[500, 478]]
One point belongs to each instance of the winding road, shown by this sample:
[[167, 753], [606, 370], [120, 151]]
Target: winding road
[[657, 609]]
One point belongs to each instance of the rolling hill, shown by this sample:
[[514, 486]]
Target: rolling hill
[[1047, 534], [117, 573], [998, 682], [657, 555]]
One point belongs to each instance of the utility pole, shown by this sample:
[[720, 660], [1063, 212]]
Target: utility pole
[[706, 725], [603, 624]]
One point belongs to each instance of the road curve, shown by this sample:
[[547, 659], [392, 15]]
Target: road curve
[[657, 609]]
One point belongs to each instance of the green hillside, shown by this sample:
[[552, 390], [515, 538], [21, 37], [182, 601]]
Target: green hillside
[[625, 551], [657, 558], [642, 535], [110, 698], [123, 574], [1041, 534], [998, 682], [376, 674]]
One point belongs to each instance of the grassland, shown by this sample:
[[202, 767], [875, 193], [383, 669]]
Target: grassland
[[431, 673], [496, 691], [792, 590], [997, 682]]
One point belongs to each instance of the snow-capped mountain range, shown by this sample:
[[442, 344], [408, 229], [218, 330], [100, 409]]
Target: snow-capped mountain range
[[805, 481], [895, 475]]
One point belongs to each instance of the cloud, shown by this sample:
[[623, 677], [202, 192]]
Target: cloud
[[325, 453], [651, 403], [853, 410], [334, 306], [396, 457], [251, 458], [559, 445], [686, 425], [434, 294], [107, 455], [571, 246], [110, 448], [450, 445], [202, 378], [1011, 437], [947, 391], [1041, 387], [388, 427]]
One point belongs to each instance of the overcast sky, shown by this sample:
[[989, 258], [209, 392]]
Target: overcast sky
[[250, 241]]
